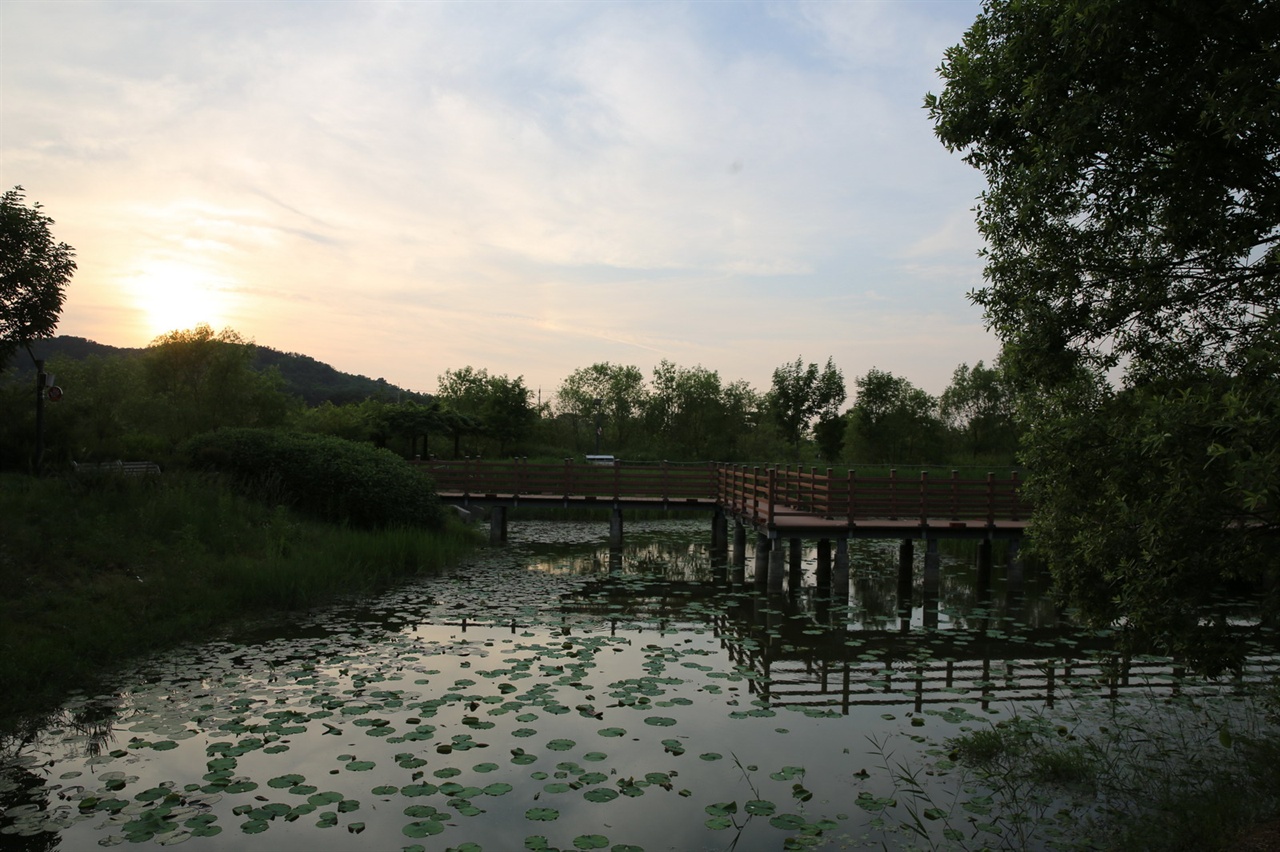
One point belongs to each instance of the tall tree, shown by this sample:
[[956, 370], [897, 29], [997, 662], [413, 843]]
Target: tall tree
[[979, 406], [612, 392], [502, 405], [34, 273], [694, 416], [801, 394], [1132, 224], [893, 421]]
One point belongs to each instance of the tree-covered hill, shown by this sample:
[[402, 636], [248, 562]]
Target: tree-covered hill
[[305, 377]]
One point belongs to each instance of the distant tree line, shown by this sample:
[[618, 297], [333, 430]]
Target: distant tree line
[[144, 404]]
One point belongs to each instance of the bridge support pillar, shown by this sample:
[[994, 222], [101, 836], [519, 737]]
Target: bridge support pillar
[[777, 566], [762, 559], [824, 565], [906, 558], [932, 573], [795, 563], [840, 572], [719, 534], [739, 544], [984, 570], [615, 528], [498, 525]]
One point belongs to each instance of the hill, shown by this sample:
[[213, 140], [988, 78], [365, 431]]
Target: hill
[[314, 381]]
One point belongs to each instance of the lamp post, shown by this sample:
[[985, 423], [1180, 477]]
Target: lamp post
[[40, 390]]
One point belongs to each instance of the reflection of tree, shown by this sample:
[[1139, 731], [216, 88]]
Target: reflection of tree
[[19, 785]]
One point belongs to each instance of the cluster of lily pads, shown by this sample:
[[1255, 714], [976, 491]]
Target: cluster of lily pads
[[509, 703]]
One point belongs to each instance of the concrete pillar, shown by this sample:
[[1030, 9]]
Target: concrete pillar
[[498, 525], [984, 571], [795, 564], [762, 559], [615, 528], [719, 534], [906, 559], [739, 544], [932, 581], [824, 565], [840, 573], [777, 566]]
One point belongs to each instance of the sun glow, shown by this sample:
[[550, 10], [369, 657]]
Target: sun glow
[[175, 294]]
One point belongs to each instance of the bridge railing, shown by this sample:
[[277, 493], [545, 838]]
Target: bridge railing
[[755, 492], [761, 492], [619, 480]]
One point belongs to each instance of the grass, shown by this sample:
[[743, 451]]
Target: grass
[[1167, 774], [94, 571]]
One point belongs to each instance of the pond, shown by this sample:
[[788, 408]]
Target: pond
[[552, 694]]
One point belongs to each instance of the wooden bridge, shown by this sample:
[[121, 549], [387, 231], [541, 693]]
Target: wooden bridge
[[777, 501]]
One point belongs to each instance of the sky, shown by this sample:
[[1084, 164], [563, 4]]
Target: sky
[[404, 188]]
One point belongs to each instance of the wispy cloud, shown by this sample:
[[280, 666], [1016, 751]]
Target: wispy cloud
[[403, 188]]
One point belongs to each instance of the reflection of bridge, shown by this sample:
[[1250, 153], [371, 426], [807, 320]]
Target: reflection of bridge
[[824, 668], [777, 503]]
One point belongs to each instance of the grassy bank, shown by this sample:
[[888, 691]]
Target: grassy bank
[[93, 571]]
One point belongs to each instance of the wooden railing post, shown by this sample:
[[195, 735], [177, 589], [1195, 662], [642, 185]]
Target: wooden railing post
[[617, 479], [853, 501], [924, 498], [773, 493], [893, 494], [568, 478], [991, 499], [755, 493], [955, 497]]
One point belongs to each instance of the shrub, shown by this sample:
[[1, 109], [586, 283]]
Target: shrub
[[323, 476]]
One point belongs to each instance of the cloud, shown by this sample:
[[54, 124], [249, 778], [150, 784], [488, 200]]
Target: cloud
[[526, 187]]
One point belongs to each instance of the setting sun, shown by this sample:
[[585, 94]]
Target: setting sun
[[176, 294]]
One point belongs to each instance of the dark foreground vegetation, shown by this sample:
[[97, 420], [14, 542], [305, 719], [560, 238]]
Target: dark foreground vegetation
[[98, 569]]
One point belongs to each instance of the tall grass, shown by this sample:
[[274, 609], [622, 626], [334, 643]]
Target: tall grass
[[94, 570], [1157, 773]]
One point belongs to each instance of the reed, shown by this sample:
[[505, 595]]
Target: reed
[[94, 571]]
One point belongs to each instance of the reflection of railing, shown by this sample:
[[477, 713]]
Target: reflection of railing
[[758, 494], [841, 685]]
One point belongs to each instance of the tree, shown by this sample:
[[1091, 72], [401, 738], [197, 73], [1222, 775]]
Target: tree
[[979, 407], [801, 394], [1132, 224], [694, 416], [34, 273], [614, 392], [198, 380], [501, 404], [892, 421]]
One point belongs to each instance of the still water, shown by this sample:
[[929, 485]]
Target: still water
[[553, 695]]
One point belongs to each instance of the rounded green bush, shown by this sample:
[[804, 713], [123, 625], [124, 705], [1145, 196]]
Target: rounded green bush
[[327, 477]]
